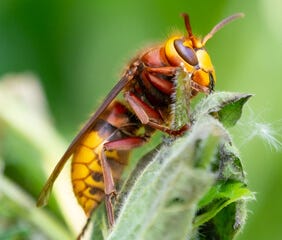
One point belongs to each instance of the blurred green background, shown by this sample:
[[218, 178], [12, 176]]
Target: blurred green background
[[79, 48]]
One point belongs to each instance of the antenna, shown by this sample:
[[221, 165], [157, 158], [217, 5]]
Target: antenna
[[187, 24], [220, 25]]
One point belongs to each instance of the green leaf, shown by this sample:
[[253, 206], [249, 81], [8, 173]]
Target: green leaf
[[224, 225], [100, 230], [218, 197], [222, 211], [229, 164], [27, 116], [229, 220], [225, 106], [20, 205], [162, 201], [189, 188]]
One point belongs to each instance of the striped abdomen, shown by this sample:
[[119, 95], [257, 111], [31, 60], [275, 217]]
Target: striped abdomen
[[87, 173]]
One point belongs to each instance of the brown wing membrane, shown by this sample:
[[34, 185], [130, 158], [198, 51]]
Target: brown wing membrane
[[127, 77]]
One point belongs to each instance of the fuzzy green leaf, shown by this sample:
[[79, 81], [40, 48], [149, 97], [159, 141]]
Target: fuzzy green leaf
[[222, 211], [162, 202], [225, 106], [194, 186], [219, 196], [100, 230]]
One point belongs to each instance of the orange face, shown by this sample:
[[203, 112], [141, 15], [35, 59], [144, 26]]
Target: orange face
[[191, 54]]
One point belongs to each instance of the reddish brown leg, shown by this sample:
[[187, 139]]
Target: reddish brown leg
[[147, 115], [167, 71], [125, 143], [110, 190], [160, 83]]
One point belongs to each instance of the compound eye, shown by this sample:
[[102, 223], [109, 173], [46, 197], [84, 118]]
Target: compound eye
[[188, 54]]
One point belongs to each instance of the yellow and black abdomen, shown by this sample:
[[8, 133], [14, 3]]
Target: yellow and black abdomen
[[87, 173]]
